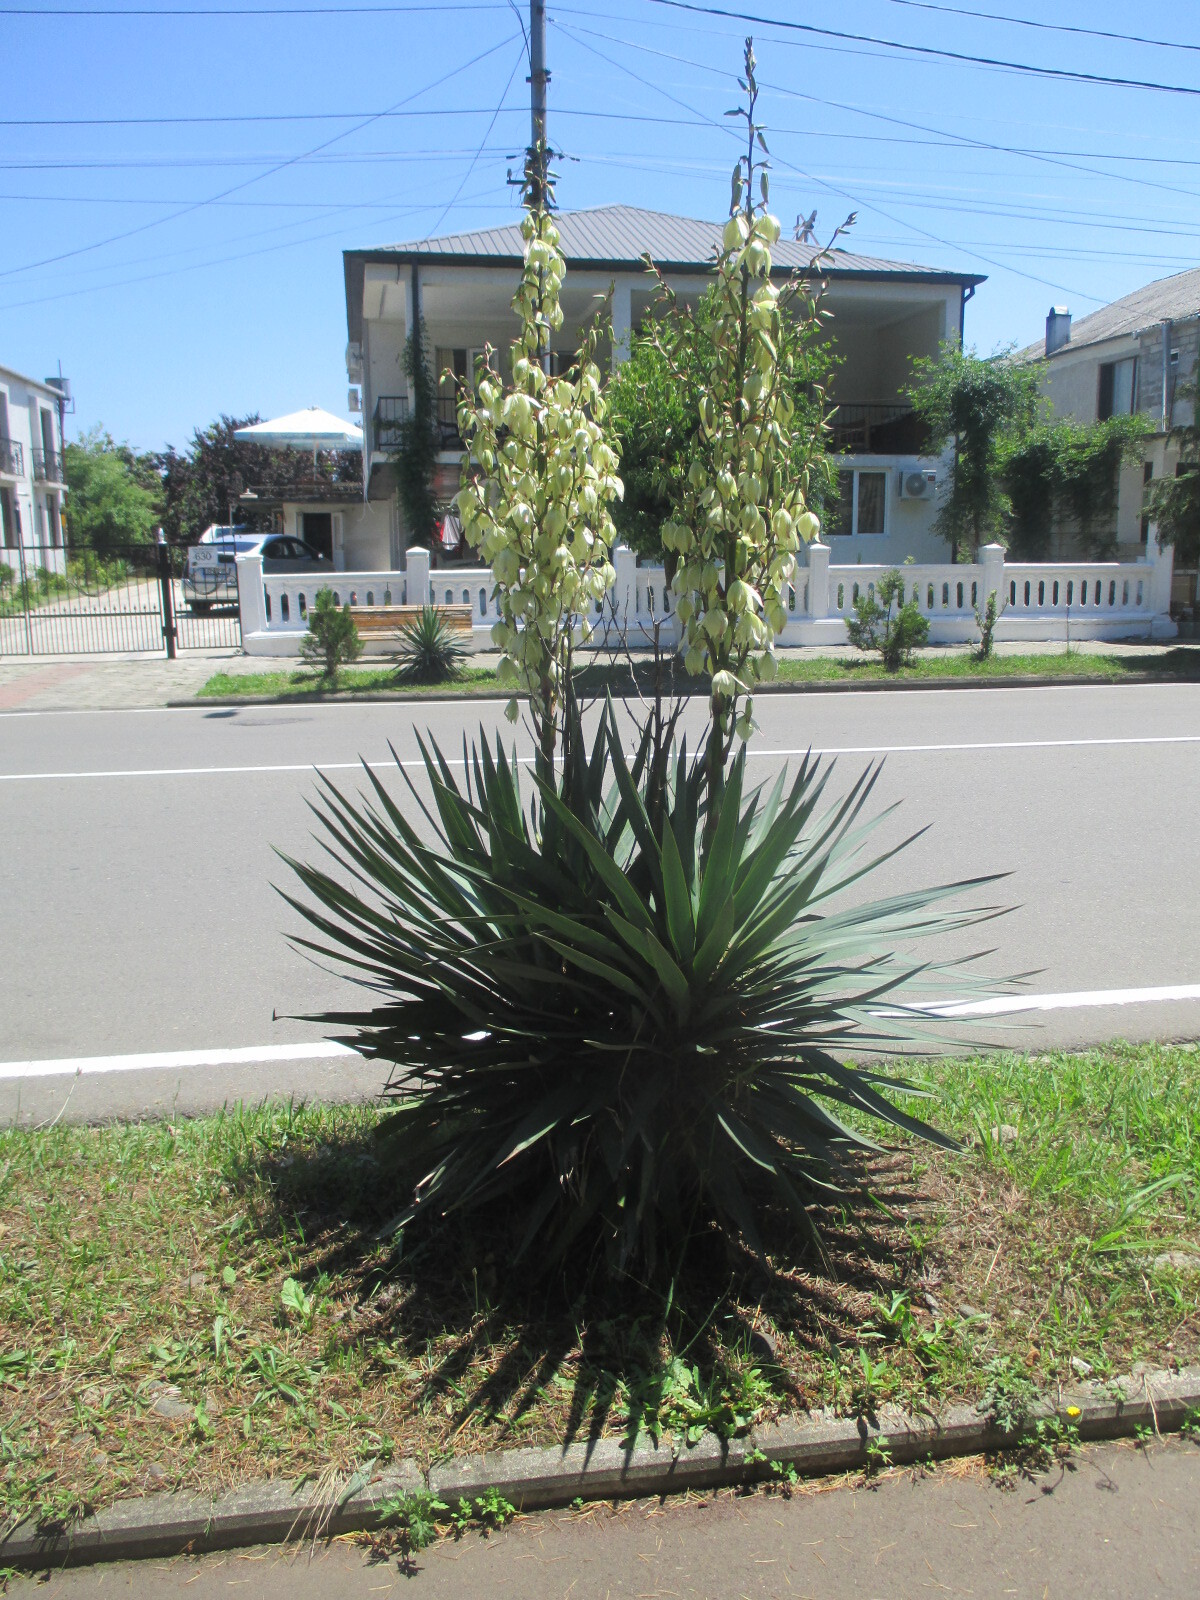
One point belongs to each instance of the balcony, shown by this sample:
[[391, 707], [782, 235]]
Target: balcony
[[884, 429], [12, 458], [48, 466], [391, 412]]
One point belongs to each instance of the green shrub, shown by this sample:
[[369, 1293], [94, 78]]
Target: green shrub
[[332, 639], [986, 621], [428, 651], [6, 576], [612, 1026], [886, 622]]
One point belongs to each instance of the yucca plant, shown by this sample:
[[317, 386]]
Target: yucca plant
[[616, 1029], [428, 652]]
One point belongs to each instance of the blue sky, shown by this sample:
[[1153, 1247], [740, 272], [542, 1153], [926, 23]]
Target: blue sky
[[169, 305]]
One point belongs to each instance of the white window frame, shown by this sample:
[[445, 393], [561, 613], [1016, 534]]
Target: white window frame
[[856, 472]]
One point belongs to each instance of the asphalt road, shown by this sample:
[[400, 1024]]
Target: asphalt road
[[1120, 1523], [137, 913]]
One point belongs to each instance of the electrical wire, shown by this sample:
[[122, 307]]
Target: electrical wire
[[845, 194], [522, 54], [1028, 69], [198, 205], [1043, 27]]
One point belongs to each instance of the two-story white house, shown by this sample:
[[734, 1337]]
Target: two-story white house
[[883, 313], [1137, 355], [32, 484]]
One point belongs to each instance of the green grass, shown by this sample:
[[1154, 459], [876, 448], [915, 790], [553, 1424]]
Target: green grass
[[234, 1258], [302, 684], [1182, 662]]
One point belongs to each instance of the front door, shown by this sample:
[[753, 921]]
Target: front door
[[318, 531]]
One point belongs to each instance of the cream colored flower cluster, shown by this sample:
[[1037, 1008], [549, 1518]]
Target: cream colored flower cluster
[[743, 513], [538, 479]]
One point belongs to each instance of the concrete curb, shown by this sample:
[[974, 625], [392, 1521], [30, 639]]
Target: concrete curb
[[867, 686], [534, 1479]]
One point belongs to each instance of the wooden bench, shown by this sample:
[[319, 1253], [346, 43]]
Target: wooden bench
[[381, 622]]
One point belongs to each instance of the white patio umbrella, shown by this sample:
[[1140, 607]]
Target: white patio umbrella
[[312, 429]]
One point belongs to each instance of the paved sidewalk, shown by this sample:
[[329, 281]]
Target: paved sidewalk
[[1121, 1522], [89, 683], [111, 683]]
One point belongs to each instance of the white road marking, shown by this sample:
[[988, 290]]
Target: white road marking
[[177, 1060], [1072, 1000], [527, 760], [328, 1049]]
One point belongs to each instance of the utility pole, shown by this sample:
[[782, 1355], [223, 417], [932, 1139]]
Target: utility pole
[[538, 79]]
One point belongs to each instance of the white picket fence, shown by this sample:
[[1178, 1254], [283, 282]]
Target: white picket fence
[[1086, 599]]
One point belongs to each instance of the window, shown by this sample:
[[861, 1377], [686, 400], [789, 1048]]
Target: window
[[1118, 384], [8, 520], [861, 503]]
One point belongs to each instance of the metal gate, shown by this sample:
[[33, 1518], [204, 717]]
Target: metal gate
[[123, 600]]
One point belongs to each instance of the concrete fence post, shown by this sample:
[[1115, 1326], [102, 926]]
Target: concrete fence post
[[991, 563], [252, 605], [624, 590], [818, 580], [1162, 565], [416, 567]]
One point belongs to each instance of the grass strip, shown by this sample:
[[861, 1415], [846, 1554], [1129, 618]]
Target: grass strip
[[1181, 663], [188, 1304]]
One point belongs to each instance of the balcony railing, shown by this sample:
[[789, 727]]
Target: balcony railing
[[48, 466], [884, 429], [12, 457], [391, 410]]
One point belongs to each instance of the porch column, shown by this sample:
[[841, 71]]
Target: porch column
[[622, 322]]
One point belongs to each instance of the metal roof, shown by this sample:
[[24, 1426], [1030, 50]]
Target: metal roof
[[615, 238], [620, 236], [1173, 299]]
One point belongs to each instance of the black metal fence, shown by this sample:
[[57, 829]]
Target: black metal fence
[[123, 600]]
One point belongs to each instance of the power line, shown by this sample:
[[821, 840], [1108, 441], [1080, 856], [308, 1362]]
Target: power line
[[250, 11], [1044, 27], [947, 139], [834, 189], [199, 266], [1061, 74], [956, 140], [291, 161], [521, 53]]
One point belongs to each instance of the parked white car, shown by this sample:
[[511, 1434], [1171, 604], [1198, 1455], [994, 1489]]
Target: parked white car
[[210, 576]]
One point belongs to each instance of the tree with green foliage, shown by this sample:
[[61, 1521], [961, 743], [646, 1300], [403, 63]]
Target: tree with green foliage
[[332, 639], [884, 620], [203, 484], [981, 404], [653, 404], [1173, 503], [107, 506], [1067, 474], [416, 453]]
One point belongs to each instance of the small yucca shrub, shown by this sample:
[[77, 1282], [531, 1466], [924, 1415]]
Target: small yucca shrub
[[615, 1031], [428, 652]]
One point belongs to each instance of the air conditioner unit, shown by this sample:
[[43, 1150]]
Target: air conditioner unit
[[917, 484], [354, 361], [354, 400]]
